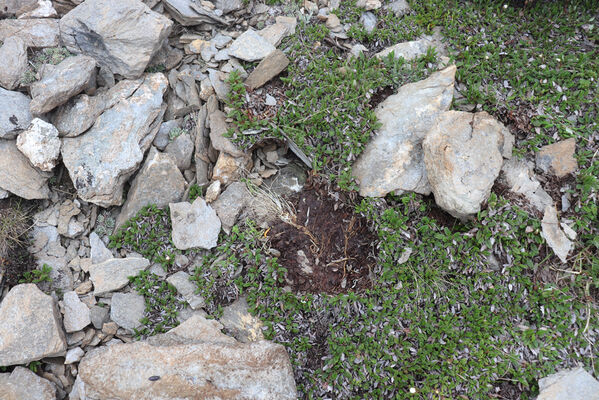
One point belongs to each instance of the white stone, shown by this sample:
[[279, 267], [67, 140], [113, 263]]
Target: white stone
[[76, 313], [194, 225], [40, 143], [74, 355]]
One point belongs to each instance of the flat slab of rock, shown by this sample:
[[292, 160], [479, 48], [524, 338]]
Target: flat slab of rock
[[231, 203], [40, 143], [393, 160], [181, 151], [98, 251], [13, 54], [114, 274], [15, 115], [194, 225], [22, 384], [159, 182], [61, 83], [574, 384], [271, 66], [189, 13], [30, 326], [76, 313], [558, 158], [122, 35], [250, 46], [275, 33], [18, 176], [187, 289], [79, 114], [34, 32], [243, 325], [554, 235], [411, 50], [194, 360], [100, 161], [463, 157], [521, 179], [127, 309]]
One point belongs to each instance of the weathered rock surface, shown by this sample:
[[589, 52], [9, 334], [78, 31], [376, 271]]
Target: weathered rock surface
[[100, 161], [114, 274], [413, 49], [230, 204], [15, 115], [250, 46], [243, 325], [18, 176], [76, 313], [79, 114], [180, 280], [13, 54], [122, 35], [275, 33], [30, 326], [98, 251], [61, 83], [463, 157], [194, 225], [229, 169], [393, 160], [47, 248], [218, 138], [181, 151], [22, 384], [558, 158], [40, 143], [10, 8], [194, 360], [399, 7], [34, 32], [159, 182], [554, 235], [43, 9], [74, 355], [271, 66], [520, 179], [189, 13], [127, 309], [573, 384]]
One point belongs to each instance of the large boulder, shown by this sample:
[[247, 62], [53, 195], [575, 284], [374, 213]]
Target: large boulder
[[101, 160], [122, 35], [22, 384], [463, 154], [159, 182], [393, 160], [62, 82], [30, 326], [194, 360], [34, 32], [18, 176], [15, 115], [13, 54]]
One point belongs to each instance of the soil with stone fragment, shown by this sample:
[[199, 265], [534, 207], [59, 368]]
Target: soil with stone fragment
[[327, 248]]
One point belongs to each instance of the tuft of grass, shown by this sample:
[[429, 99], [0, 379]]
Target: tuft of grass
[[37, 275], [195, 191]]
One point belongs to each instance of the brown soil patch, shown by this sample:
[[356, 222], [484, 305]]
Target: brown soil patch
[[256, 107], [327, 247]]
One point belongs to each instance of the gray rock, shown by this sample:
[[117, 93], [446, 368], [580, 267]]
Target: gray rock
[[221, 40], [34, 32], [558, 158], [368, 20], [180, 280], [162, 137], [181, 151], [30, 326], [122, 35], [22, 384], [79, 114], [194, 225], [212, 192], [114, 274], [43, 9], [64, 81], [3, 194], [520, 179], [74, 355], [240, 323], [15, 115], [276, 32], [127, 309], [218, 135], [189, 13], [554, 235], [218, 80], [100, 161], [573, 384], [250, 46], [228, 6], [398, 7], [201, 158], [10, 8], [271, 66], [76, 314], [18, 176], [189, 359], [159, 182], [47, 248], [413, 49], [98, 252], [463, 157], [230, 204], [98, 316], [289, 181], [393, 160], [40, 144], [13, 54]]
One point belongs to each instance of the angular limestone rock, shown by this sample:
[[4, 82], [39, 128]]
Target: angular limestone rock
[[18, 176], [22, 384], [13, 54], [250, 46], [271, 66], [76, 313], [194, 225], [573, 384], [114, 274], [554, 235], [40, 143], [30, 326], [15, 115], [34, 32], [558, 158]]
